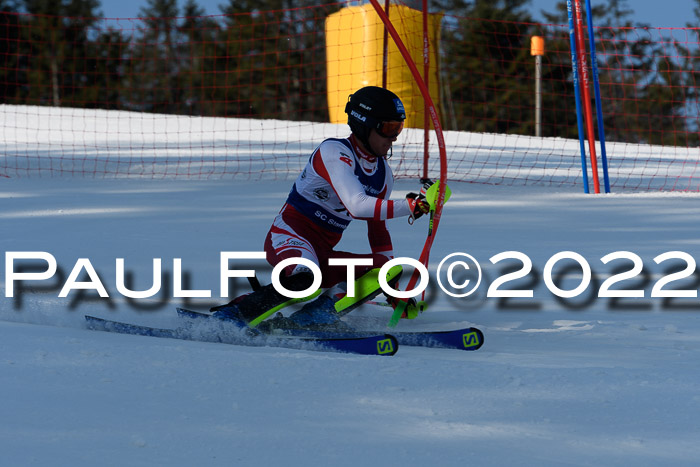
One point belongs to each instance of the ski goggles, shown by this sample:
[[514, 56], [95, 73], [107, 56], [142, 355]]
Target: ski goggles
[[389, 129]]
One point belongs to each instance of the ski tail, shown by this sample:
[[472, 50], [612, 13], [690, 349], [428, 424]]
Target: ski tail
[[377, 344], [100, 324]]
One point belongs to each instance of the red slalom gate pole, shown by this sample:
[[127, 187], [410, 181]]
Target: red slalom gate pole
[[588, 111], [440, 201]]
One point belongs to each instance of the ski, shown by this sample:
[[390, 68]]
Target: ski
[[463, 339], [375, 344]]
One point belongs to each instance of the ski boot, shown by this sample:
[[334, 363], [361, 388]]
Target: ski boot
[[318, 315], [324, 313], [253, 308]]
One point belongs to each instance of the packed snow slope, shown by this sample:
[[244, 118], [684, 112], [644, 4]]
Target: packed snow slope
[[579, 381]]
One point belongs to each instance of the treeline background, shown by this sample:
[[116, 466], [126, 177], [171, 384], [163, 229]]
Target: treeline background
[[266, 59]]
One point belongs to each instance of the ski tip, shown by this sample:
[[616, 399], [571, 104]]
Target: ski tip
[[472, 339], [388, 346]]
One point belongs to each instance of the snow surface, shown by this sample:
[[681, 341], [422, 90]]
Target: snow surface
[[553, 385]]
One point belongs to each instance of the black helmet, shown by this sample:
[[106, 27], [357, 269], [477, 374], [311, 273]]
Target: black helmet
[[368, 107]]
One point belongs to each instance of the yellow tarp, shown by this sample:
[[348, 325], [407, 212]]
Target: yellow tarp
[[354, 56]]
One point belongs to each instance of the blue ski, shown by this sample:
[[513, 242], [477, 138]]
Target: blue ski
[[376, 344], [463, 339]]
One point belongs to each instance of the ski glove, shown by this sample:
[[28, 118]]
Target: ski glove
[[418, 205]]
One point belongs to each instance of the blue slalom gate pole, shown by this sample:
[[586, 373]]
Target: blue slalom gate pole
[[598, 105], [577, 94]]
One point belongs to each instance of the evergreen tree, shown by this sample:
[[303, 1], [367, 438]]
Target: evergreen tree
[[643, 92], [693, 74], [266, 59], [58, 34], [488, 66], [11, 76], [106, 58], [201, 36], [153, 80], [275, 53]]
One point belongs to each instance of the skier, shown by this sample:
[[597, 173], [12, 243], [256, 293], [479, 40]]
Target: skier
[[344, 179]]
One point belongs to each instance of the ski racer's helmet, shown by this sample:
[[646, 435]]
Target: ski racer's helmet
[[376, 108]]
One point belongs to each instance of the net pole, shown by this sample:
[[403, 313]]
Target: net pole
[[537, 49]]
